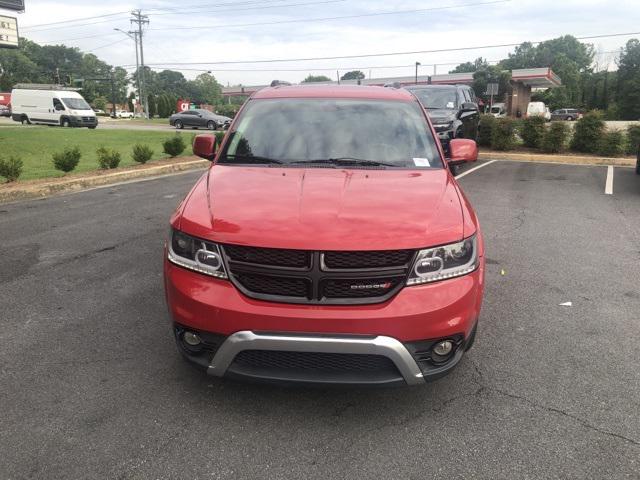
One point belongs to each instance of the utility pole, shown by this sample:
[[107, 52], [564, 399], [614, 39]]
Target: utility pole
[[134, 36], [141, 20], [113, 94], [417, 65]]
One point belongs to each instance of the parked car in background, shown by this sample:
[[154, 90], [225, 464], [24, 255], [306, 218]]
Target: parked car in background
[[123, 114], [98, 111], [568, 114], [328, 243], [5, 111], [538, 109], [49, 105], [199, 118], [453, 110], [498, 110]]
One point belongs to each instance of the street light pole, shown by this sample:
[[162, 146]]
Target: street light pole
[[417, 65]]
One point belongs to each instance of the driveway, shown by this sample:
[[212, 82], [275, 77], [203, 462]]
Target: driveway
[[91, 385]]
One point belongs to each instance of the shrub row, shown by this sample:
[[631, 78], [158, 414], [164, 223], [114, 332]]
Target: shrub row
[[69, 158], [10, 168], [590, 135]]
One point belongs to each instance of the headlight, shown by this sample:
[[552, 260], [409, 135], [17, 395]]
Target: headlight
[[195, 254], [448, 261]]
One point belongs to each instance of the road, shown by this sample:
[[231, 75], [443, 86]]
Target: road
[[91, 384]]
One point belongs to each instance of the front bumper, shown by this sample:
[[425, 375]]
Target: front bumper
[[402, 330], [78, 121]]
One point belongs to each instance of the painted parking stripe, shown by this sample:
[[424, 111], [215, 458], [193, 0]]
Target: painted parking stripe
[[608, 187], [474, 169]]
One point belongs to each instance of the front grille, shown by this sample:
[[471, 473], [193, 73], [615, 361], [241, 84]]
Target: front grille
[[269, 256], [88, 119], [303, 276], [270, 285], [358, 288], [381, 258], [313, 362]]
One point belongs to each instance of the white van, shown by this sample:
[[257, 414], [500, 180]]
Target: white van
[[538, 109], [51, 105]]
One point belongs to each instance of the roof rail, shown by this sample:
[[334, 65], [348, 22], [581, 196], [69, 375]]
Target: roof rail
[[43, 86], [393, 85], [279, 83]]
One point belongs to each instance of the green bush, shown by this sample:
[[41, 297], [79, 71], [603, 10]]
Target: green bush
[[485, 127], [612, 144], [108, 158], [555, 138], [174, 146], [503, 134], [532, 131], [588, 133], [220, 137], [67, 160], [633, 139], [11, 168], [142, 153]]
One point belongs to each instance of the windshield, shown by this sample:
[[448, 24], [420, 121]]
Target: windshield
[[433, 98], [76, 103], [299, 131]]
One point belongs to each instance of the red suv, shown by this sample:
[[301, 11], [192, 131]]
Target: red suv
[[327, 243]]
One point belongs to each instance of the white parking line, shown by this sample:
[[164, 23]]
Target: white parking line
[[474, 169], [608, 187]]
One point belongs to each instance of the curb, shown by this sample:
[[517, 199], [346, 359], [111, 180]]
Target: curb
[[567, 159], [27, 192]]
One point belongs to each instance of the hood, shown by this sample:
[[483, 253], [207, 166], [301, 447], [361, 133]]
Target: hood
[[324, 208], [442, 115]]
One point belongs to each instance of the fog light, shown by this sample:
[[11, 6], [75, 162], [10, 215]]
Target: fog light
[[191, 339], [443, 348]]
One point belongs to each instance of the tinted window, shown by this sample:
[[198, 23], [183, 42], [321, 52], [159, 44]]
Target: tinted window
[[57, 104], [303, 130], [437, 97], [467, 95]]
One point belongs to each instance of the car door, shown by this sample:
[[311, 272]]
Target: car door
[[57, 111], [469, 119]]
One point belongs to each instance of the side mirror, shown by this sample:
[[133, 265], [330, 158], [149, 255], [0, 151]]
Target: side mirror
[[204, 146], [462, 151], [469, 107]]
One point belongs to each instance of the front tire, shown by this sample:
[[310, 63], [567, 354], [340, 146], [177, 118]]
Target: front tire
[[211, 125], [569, 119], [65, 123], [179, 125]]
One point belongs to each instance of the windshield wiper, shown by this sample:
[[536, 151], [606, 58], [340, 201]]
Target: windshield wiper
[[346, 161], [250, 159]]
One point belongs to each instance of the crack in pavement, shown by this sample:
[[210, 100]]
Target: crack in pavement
[[546, 408]]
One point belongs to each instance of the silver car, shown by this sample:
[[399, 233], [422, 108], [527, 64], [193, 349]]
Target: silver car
[[199, 119]]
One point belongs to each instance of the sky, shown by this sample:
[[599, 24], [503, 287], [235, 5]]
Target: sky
[[249, 30]]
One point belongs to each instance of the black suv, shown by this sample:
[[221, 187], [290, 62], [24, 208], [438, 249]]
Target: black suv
[[453, 110]]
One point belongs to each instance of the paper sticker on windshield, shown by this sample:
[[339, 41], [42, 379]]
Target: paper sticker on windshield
[[450, 105], [421, 162]]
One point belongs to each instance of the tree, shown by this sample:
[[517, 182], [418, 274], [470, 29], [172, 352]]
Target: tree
[[130, 99], [100, 103], [353, 75], [316, 78], [491, 74], [629, 81], [209, 90], [468, 67], [153, 106]]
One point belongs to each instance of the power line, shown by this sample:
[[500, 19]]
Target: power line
[[107, 45], [388, 54], [28, 27], [323, 19], [183, 11]]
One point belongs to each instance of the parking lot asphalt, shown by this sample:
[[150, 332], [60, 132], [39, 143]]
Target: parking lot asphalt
[[91, 385]]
